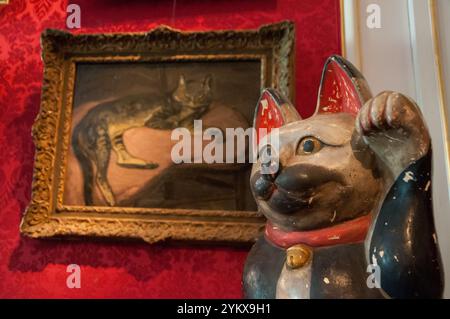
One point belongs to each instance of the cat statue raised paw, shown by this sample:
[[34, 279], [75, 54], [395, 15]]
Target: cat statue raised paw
[[349, 210]]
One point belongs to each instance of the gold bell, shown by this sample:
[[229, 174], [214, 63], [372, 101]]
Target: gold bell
[[297, 256]]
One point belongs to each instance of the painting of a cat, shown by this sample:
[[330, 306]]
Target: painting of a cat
[[123, 117]]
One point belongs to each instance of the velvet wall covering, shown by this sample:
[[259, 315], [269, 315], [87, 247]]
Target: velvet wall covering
[[37, 268]]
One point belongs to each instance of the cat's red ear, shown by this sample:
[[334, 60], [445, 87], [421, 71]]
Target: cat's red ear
[[343, 89], [273, 111]]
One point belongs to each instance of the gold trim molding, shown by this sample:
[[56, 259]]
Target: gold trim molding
[[342, 29], [47, 216], [440, 81]]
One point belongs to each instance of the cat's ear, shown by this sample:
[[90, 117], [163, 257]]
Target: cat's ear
[[343, 89], [272, 111], [207, 82], [181, 83]]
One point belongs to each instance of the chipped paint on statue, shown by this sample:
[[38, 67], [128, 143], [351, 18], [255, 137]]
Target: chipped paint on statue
[[352, 192]]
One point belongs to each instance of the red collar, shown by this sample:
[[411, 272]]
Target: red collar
[[352, 231]]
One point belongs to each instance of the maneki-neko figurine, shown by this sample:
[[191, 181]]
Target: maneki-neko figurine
[[349, 209]]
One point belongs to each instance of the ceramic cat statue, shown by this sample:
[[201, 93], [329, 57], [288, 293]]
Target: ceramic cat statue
[[349, 210]]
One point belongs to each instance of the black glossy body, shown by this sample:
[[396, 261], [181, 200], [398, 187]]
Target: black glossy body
[[404, 242]]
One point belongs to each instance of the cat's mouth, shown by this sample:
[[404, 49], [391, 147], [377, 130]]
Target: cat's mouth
[[284, 202], [294, 188]]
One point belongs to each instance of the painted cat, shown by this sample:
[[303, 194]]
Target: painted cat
[[101, 130]]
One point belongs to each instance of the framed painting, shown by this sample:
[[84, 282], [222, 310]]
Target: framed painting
[[104, 163]]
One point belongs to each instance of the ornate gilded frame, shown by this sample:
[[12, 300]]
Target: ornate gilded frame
[[46, 216]]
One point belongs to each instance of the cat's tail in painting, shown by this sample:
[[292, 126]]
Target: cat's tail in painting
[[85, 164]]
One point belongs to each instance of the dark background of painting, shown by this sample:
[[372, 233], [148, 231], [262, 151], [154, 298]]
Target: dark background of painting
[[235, 88], [32, 268], [235, 83]]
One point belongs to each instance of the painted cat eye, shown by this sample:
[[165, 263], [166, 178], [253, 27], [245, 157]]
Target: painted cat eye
[[309, 145]]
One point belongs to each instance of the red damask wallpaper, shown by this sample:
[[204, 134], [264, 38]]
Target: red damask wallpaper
[[37, 268]]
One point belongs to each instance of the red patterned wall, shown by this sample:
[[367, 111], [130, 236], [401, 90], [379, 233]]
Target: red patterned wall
[[37, 268]]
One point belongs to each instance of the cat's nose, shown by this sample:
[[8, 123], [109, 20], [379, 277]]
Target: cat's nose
[[270, 164], [262, 187], [262, 182], [270, 170]]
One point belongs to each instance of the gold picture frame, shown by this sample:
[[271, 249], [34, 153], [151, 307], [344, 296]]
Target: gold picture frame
[[47, 216]]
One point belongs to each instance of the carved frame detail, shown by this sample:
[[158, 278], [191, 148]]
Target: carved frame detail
[[46, 216]]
